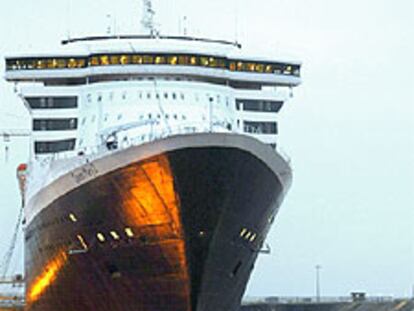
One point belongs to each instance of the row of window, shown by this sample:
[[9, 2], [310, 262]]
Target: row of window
[[152, 59], [42, 147], [258, 105], [61, 102], [260, 127], [55, 124]]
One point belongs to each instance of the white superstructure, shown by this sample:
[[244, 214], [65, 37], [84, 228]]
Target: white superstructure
[[100, 95]]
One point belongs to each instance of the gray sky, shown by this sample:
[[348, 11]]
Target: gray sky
[[349, 129]]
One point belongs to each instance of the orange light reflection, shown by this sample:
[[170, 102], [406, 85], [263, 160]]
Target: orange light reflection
[[153, 203], [47, 277]]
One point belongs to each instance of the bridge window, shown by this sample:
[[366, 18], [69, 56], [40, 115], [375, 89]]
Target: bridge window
[[148, 59], [183, 60], [42, 147], [173, 60], [193, 61], [152, 59], [125, 59], [104, 60], [160, 60]]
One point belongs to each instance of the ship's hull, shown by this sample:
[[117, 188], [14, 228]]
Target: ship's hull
[[179, 231]]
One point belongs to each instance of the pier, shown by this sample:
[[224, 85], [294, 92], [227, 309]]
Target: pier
[[329, 304]]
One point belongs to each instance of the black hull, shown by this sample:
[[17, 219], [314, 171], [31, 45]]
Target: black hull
[[186, 229]]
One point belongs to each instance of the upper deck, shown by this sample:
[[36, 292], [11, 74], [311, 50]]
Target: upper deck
[[93, 59]]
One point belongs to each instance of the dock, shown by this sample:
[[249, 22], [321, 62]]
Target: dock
[[329, 304]]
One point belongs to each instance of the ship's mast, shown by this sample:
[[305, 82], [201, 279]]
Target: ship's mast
[[147, 20]]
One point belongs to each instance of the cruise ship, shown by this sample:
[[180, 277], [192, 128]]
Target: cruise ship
[[154, 172]]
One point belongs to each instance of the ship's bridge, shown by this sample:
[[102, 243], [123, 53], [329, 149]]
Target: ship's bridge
[[96, 59]]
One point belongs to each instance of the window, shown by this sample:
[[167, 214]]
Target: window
[[183, 60], [259, 105], [260, 127], [104, 60], [148, 59], [42, 147], [114, 59], [64, 102], [204, 61], [159, 60], [137, 59], [125, 59], [172, 60], [55, 124]]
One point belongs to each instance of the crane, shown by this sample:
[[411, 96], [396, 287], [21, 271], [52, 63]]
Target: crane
[[7, 134], [5, 263]]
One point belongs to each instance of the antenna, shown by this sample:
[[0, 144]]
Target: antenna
[[236, 20], [109, 26], [147, 20], [69, 20], [185, 30]]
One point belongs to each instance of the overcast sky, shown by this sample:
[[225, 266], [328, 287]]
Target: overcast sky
[[349, 129]]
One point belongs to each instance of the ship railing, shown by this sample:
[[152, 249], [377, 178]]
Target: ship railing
[[63, 162]]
